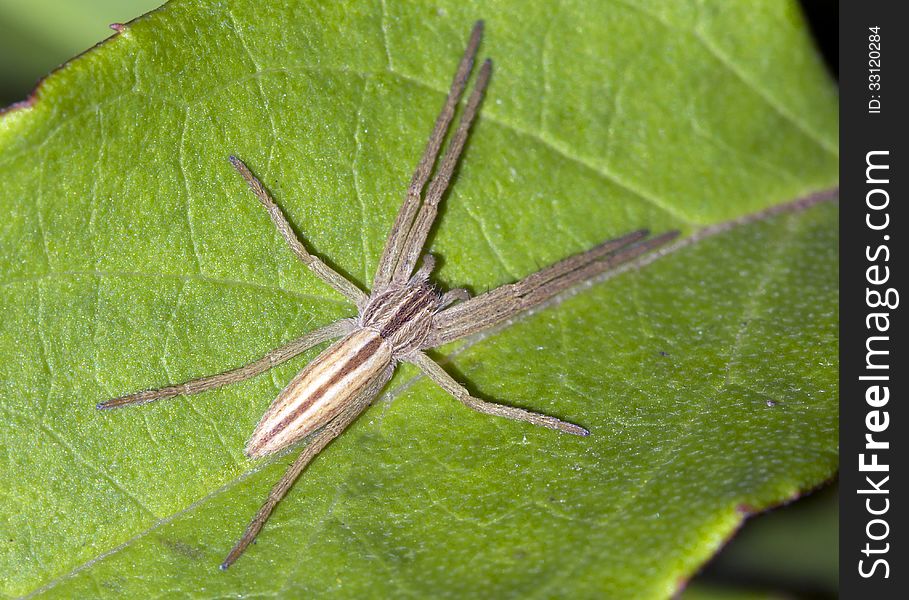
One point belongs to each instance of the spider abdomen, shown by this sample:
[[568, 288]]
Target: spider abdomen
[[321, 390]]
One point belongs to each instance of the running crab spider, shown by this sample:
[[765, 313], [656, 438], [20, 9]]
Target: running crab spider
[[401, 318]]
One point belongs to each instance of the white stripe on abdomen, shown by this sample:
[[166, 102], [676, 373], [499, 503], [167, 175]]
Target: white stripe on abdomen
[[320, 391]]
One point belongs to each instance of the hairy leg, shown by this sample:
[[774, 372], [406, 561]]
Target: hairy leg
[[322, 271], [432, 370], [314, 446], [416, 238], [504, 302], [271, 359], [402, 225]]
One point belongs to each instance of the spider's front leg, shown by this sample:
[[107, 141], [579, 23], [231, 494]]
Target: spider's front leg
[[411, 226], [321, 270], [504, 302], [498, 305]]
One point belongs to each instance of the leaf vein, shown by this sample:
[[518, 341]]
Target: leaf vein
[[187, 204], [61, 441], [261, 90], [774, 104], [496, 252], [186, 277]]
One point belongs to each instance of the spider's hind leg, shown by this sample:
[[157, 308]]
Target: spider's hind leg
[[271, 359], [314, 445]]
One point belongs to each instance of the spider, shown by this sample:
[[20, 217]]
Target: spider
[[401, 317]]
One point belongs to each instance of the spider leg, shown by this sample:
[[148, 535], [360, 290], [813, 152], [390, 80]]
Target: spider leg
[[322, 271], [486, 310], [271, 359], [314, 446], [416, 237], [432, 370], [404, 220], [452, 296]]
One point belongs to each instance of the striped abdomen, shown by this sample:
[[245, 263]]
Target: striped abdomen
[[321, 390]]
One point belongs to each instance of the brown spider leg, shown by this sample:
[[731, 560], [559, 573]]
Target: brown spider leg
[[398, 233], [416, 238], [452, 296], [322, 271], [314, 446], [271, 359], [432, 370], [502, 303], [425, 270]]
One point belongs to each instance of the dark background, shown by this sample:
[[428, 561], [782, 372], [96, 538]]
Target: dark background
[[862, 132]]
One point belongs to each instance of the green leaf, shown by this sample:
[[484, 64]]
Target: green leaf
[[792, 550], [38, 35], [131, 255]]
